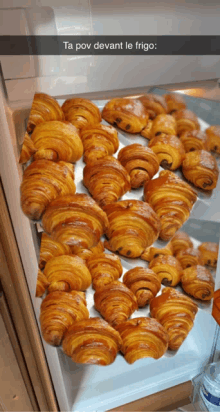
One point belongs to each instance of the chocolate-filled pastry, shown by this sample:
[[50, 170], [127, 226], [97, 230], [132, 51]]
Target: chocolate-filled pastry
[[106, 179], [44, 109], [163, 124], [75, 220], [186, 121], [49, 248], [200, 168], [81, 112], [43, 181], [104, 268], [180, 241], [92, 341], [66, 273], [194, 140], [144, 283], [142, 338], [128, 114], [172, 199], [167, 268], [42, 284], [213, 140], [133, 226], [99, 141], [154, 104], [85, 254], [198, 282], [27, 150], [59, 310], [146, 132], [140, 162], [190, 257], [174, 102], [57, 141], [152, 252], [209, 252], [115, 302], [169, 150], [176, 313]]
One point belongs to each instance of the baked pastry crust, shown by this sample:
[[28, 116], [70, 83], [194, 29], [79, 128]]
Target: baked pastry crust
[[44, 109], [99, 141], [144, 283], [42, 284], [153, 252], [85, 254], [169, 151], [200, 168], [174, 102], [213, 140], [163, 124], [190, 257], [154, 104], [104, 268], [49, 248], [27, 150], [198, 282], [167, 268], [181, 241], [209, 252], [147, 130], [194, 140], [81, 112], [186, 121]]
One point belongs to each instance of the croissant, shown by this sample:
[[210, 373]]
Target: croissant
[[174, 102], [49, 248], [81, 112], [133, 226], [106, 179], [181, 241], [128, 114], [85, 254], [104, 268], [66, 273], [152, 252], [92, 341], [99, 141], [213, 138], [27, 150], [167, 268], [194, 140], [176, 313], [57, 141], [186, 121], [200, 168], [115, 302], [147, 130], [42, 182], [42, 284], [44, 109], [59, 310], [172, 199], [140, 162], [154, 104], [198, 282], [142, 338], [75, 220], [163, 124], [144, 283], [190, 257], [169, 150], [209, 252]]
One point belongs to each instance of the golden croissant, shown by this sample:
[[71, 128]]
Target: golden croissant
[[115, 302], [75, 220], [154, 104], [144, 283], [42, 284], [59, 310], [200, 168], [163, 124], [189, 257], [186, 121], [57, 141], [176, 313], [198, 282], [133, 226], [142, 338], [172, 199], [169, 150], [128, 114], [209, 252], [213, 138], [85, 254], [27, 150], [49, 248], [66, 273], [99, 141], [140, 162], [43, 181], [104, 268], [152, 252], [106, 179], [194, 140], [181, 241], [92, 341], [81, 112], [44, 109], [167, 268], [174, 102]]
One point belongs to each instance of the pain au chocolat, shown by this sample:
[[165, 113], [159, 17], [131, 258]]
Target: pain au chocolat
[[152, 252], [169, 151], [174, 102], [186, 121], [194, 140], [200, 168], [181, 241], [209, 252], [104, 268], [144, 283], [213, 138], [154, 104], [198, 282], [167, 268], [190, 257]]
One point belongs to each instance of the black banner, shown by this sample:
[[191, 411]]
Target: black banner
[[110, 45]]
